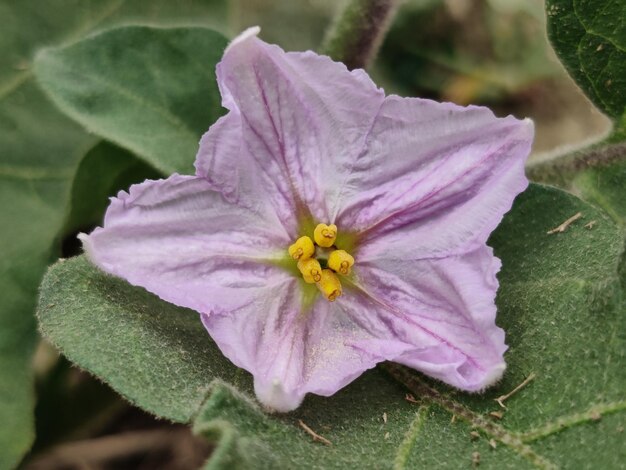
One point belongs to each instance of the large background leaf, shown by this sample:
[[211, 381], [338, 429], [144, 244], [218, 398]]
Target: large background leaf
[[590, 38], [154, 100], [40, 152], [559, 304], [103, 170]]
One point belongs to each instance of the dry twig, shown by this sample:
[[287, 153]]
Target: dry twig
[[590, 224], [563, 227], [501, 399], [410, 398], [313, 434]]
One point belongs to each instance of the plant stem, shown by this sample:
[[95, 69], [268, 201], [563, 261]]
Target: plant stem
[[358, 31], [95, 453], [560, 170]]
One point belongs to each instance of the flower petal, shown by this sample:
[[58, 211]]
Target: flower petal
[[439, 174], [296, 122], [182, 241], [437, 316], [444, 308], [292, 351]]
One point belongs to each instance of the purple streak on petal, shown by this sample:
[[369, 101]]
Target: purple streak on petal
[[444, 308], [296, 123], [182, 241], [438, 175], [437, 316], [290, 352]]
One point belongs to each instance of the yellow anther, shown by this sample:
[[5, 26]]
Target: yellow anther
[[340, 261], [303, 248], [311, 270], [325, 235], [329, 285]]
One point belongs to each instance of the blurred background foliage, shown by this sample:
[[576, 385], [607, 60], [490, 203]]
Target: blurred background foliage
[[491, 52]]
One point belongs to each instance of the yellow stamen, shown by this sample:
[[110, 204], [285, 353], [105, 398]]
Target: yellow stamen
[[329, 285], [303, 248], [340, 261], [311, 270], [325, 235]]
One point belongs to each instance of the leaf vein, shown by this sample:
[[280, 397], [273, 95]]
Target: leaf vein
[[566, 422], [428, 394], [405, 448], [124, 92]]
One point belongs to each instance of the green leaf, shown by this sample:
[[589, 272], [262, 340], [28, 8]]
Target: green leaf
[[559, 302], [155, 354], [590, 38], [605, 186], [36, 168], [41, 151], [102, 172], [598, 175], [148, 90]]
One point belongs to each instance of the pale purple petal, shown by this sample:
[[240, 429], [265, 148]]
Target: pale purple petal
[[182, 241], [444, 308], [296, 123], [437, 316], [435, 177], [291, 351]]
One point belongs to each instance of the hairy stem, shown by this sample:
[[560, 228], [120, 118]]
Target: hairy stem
[[358, 31], [561, 169]]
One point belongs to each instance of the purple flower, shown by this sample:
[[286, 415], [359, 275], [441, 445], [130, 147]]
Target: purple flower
[[329, 227]]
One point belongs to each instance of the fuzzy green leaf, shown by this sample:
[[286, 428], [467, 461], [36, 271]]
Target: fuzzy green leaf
[[590, 38], [598, 175], [156, 99], [605, 186], [104, 170], [155, 354], [559, 302], [41, 151], [36, 167]]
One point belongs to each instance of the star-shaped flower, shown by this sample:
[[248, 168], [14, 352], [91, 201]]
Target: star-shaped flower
[[329, 227]]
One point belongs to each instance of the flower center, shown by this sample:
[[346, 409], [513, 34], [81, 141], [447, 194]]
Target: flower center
[[311, 255]]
